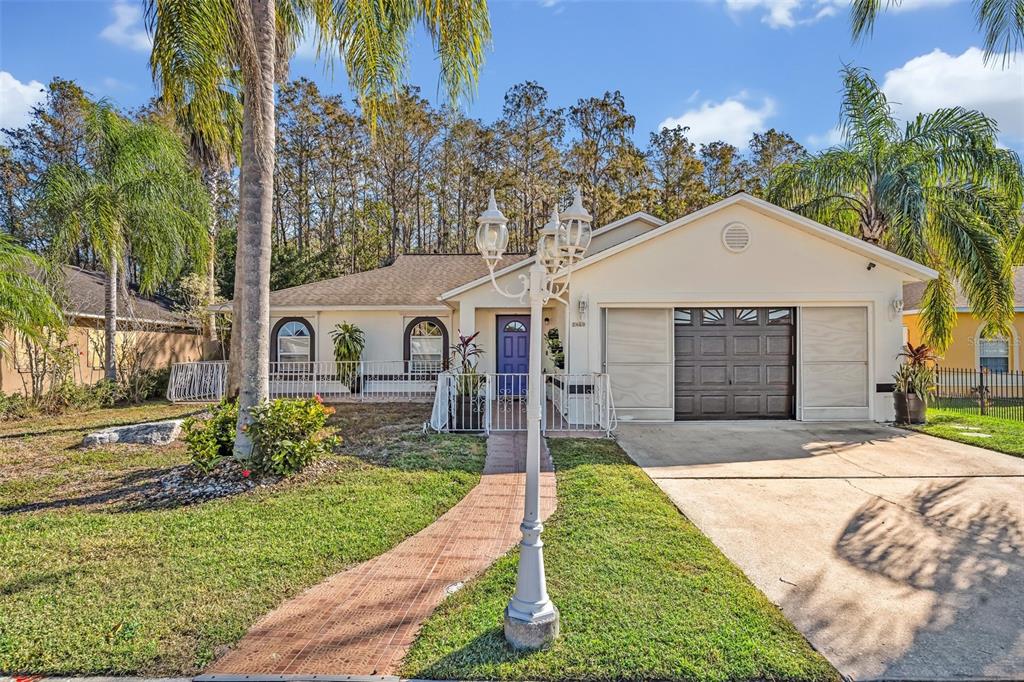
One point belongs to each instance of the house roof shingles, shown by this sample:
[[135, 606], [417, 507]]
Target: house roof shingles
[[914, 292], [412, 280], [85, 292]]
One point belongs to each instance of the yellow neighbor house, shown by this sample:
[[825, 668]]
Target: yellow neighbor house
[[968, 350]]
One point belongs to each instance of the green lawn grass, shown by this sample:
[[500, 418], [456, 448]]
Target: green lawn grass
[[642, 593], [1007, 435], [94, 591]]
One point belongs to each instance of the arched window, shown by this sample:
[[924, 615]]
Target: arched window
[[292, 341], [515, 326], [994, 354], [426, 345]]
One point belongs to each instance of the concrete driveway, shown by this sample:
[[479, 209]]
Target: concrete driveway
[[898, 555]]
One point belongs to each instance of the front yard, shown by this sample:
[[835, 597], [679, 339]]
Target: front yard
[[93, 582], [643, 594], [994, 433]]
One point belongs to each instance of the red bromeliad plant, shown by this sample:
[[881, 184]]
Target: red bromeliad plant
[[918, 356], [466, 353]]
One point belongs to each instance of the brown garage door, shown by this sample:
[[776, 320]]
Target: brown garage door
[[735, 363]]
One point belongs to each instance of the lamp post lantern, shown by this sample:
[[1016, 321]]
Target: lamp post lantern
[[531, 619]]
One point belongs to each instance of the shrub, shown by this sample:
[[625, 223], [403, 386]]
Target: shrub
[[69, 396], [288, 435], [212, 439], [13, 406]]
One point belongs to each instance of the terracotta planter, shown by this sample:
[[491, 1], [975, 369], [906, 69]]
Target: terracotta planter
[[910, 409]]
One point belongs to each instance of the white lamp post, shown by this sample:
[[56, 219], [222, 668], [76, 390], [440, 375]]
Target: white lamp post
[[531, 620]]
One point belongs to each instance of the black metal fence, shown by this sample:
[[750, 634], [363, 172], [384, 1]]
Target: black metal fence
[[972, 391]]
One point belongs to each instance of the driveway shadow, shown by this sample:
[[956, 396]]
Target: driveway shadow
[[954, 561]]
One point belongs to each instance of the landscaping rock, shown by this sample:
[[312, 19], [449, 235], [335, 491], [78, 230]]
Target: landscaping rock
[[152, 433]]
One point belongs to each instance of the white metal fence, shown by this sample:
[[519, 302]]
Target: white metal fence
[[197, 382], [358, 380], [483, 402], [497, 402]]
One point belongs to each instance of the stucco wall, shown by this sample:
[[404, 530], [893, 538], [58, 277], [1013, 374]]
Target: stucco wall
[[384, 329], [962, 352], [783, 266], [161, 348]]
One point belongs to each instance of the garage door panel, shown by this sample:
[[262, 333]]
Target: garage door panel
[[746, 345], [714, 405], [747, 405], [834, 366], [779, 405], [712, 345], [641, 385], [638, 335], [685, 375], [714, 375], [747, 374], [779, 345], [779, 375], [733, 364], [831, 334], [835, 384], [684, 346]]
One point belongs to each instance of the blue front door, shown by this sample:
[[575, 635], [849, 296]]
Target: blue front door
[[513, 353]]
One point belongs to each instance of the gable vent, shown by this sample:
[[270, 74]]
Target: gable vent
[[736, 237]]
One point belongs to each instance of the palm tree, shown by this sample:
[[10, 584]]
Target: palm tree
[[214, 140], [26, 307], [938, 191], [195, 41], [1001, 21], [135, 197]]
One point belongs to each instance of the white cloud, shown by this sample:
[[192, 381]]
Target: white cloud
[[938, 79], [733, 120], [17, 100], [126, 30], [830, 138], [790, 13]]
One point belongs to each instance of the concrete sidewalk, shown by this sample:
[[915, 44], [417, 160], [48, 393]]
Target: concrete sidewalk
[[362, 621]]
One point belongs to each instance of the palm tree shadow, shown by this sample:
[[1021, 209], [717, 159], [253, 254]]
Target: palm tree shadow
[[956, 559]]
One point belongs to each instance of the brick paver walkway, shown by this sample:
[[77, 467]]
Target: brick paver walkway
[[363, 620]]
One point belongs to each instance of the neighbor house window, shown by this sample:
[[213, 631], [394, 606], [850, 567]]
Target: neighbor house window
[[293, 341], [426, 344], [994, 354]]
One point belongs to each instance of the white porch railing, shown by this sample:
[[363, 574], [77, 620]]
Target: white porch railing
[[197, 382], [358, 380], [497, 402]]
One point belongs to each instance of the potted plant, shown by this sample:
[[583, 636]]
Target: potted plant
[[555, 350], [349, 342], [470, 400], [914, 380]]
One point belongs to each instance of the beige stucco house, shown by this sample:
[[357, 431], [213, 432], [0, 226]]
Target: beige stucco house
[[739, 310], [150, 327]]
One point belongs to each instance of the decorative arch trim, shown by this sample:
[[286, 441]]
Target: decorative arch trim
[[407, 337], [1014, 348], [277, 328]]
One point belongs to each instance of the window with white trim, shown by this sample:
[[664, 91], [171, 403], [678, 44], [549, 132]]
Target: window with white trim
[[994, 354], [426, 347], [293, 342]]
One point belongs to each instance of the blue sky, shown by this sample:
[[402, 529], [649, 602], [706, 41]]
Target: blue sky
[[724, 67]]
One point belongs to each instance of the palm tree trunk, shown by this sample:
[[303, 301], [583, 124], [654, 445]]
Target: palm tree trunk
[[211, 277], [110, 324], [257, 198], [234, 378]]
